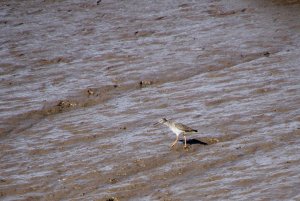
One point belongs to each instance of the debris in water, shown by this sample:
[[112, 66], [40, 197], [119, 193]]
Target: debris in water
[[113, 180], [145, 83], [90, 92], [123, 128], [112, 199], [66, 104], [267, 54]]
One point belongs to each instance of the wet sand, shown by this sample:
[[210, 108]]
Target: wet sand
[[83, 82]]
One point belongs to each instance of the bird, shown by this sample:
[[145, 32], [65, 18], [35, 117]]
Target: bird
[[178, 129]]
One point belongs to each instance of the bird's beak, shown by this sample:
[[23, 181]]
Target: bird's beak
[[156, 124]]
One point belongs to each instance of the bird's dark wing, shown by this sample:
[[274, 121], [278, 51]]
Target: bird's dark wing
[[184, 127]]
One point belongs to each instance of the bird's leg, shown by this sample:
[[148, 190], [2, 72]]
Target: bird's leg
[[184, 141], [175, 141]]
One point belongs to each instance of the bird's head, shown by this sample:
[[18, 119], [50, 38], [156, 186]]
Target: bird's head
[[161, 121]]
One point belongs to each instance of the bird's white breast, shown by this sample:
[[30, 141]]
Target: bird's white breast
[[176, 130]]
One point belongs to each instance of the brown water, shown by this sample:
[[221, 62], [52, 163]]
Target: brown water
[[82, 85]]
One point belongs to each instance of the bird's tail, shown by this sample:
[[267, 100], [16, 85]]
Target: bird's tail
[[196, 131]]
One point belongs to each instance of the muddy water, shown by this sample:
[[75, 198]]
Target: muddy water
[[82, 85]]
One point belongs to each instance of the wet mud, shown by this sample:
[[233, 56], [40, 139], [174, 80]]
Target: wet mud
[[83, 82]]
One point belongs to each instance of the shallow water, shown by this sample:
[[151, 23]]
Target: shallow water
[[82, 85]]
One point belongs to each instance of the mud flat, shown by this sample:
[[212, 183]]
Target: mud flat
[[82, 83]]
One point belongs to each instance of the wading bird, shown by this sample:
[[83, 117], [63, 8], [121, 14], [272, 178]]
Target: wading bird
[[178, 129]]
